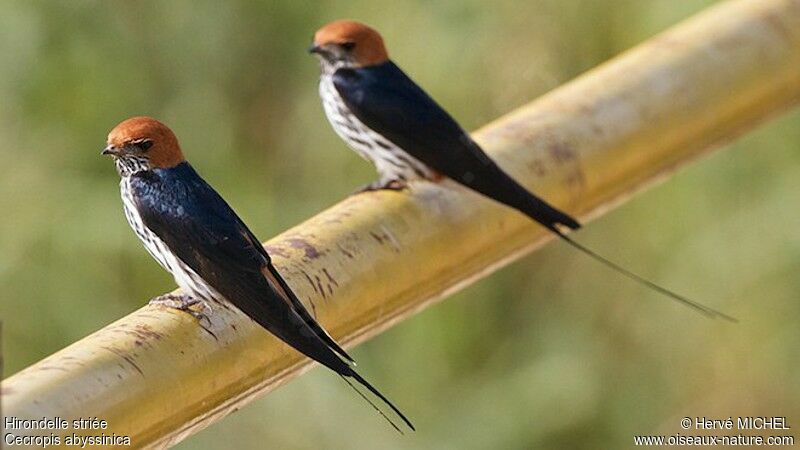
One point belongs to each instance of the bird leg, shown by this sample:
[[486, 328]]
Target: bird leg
[[183, 302], [384, 185]]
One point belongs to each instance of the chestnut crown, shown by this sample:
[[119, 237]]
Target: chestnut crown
[[145, 138], [349, 43]]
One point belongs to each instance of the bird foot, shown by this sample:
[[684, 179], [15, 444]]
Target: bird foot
[[384, 185], [185, 303]]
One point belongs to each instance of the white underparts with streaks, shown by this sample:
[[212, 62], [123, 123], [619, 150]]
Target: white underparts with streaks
[[391, 161], [189, 281]]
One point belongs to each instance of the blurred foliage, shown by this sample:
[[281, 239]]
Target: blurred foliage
[[551, 352]]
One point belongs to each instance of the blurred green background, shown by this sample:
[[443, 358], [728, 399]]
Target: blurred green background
[[551, 352]]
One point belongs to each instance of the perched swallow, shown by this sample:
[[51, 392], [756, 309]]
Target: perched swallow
[[193, 233], [390, 121]]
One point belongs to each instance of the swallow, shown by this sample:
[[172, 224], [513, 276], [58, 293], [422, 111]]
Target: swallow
[[214, 257], [390, 121]]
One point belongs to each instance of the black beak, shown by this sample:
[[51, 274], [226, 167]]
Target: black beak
[[110, 150], [315, 49]]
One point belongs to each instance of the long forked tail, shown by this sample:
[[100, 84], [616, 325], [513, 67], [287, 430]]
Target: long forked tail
[[353, 374], [703, 309], [550, 217]]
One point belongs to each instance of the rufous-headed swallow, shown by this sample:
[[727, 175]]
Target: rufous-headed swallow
[[215, 259], [390, 121]]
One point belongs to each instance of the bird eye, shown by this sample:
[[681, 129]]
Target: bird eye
[[349, 45], [143, 144]]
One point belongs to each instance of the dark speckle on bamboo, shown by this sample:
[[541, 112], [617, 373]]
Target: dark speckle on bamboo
[[310, 281], [330, 278], [309, 250], [344, 251], [126, 357]]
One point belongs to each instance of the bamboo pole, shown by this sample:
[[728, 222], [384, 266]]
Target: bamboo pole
[[375, 259]]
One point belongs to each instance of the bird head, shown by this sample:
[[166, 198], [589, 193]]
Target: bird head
[[143, 143], [348, 44]]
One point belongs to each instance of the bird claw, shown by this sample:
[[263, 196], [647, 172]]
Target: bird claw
[[384, 185], [184, 302]]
